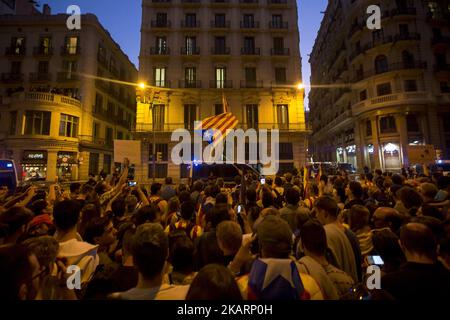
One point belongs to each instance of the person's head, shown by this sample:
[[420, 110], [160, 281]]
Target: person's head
[[278, 181], [214, 282], [410, 198], [394, 191], [359, 217], [326, 210], [181, 255], [432, 211], [75, 187], [288, 177], [397, 179], [147, 214], [19, 273], [150, 250], [369, 177], [130, 203], [221, 198], [274, 237], [313, 238], [383, 217], [354, 190], [251, 195], [324, 178], [155, 189], [443, 183], [184, 196], [100, 231], [66, 215], [378, 172], [173, 205], [39, 207], [13, 222], [218, 214], [118, 207], [198, 186], [168, 180], [102, 187], [220, 182], [125, 235], [46, 250], [267, 199], [187, 210], [428, 191], [292, 196], [237, 180], [418, 242], [386, 244], [229, 237]]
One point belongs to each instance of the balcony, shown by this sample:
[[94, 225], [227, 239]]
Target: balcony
[[442, 67], [190, 2], [160, 24], [123, 123], [277, 3], [45, 98], [190, 84], [91, 141], [278, 25], [67, 77], [40, 77], [220, 24], [440, 40], [12, 77], [249, 2], [159, 51], [161, 3], [391, 67], [249, 51], [70, 50], [219, 2], [220, 51], [221, 84], [102, 60], [409, 11], [438, 18], [251, 84], [190, 51], [15, 51], [280, 51], [42, 51], [249, 24], [163, 83], [189, 24]]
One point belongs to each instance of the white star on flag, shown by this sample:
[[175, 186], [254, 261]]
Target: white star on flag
[[208, 135], [275, 268]]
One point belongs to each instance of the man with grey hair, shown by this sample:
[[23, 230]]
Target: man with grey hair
[[150, 249]]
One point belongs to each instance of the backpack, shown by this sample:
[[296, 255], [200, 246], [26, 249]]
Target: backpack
[[279, 199]]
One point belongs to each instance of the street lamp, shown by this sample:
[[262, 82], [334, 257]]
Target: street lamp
[[142, 85], [300, 86]]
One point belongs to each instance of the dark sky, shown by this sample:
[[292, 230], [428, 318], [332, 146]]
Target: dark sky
[[122, 18]]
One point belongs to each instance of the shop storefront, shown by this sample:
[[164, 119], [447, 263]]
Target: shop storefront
[[351, 155], [391, 155], [370, 148], [34, 165], [67, 162]]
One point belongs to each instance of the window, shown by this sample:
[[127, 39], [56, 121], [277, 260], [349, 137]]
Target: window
[[377, 35], [283, 116], [69, 66], [16, 67], [109, 136], [13, 123], [71, 45], [160, 170], [286, 151], [407, 59], [37, 123], [119, 135], [190, 77], [252, 116], [277, 21], [160, 76], [162, 148], [161, 19], [45, 44], [278, 44], [368, 128], [219, 19], [158, 117], [403, 30], [190, 116], [93, 163], [363, 95], [381, 64], [387, 125], [220, 44], [43, 67], [221, 77], [98, 103], [191, 45], [446, 123], [68, 126], [191, 20], [412, 124], [18, 44], [161, 45], [384, 89], [249, 21], [107, 163], [410, 85], [218, 109], [250, 77], [280, 75], [96, 130], [249, 44]]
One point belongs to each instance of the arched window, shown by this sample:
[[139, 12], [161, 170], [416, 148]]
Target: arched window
[[381, 64], [408, 59]]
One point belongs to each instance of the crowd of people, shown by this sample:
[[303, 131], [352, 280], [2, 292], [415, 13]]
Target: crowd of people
[[289, 238]]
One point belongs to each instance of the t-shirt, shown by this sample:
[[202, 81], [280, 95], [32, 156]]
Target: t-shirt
[[163, 292]]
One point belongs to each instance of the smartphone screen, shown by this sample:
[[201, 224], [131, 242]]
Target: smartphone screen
[[375, 260], [239, 208], [132, 183], [263, 181]]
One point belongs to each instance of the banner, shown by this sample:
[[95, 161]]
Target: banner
[[422, 154], [127, 149]]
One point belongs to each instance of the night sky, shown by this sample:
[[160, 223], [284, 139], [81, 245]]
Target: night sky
[[123, 19]]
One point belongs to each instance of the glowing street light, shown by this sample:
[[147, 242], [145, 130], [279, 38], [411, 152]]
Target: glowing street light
[[142, 85], [300, 86]]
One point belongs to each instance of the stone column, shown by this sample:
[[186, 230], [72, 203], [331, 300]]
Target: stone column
[[433, 123], [376, 145], [359, 141], [402, 129], [52, 157]]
